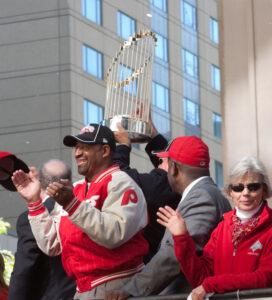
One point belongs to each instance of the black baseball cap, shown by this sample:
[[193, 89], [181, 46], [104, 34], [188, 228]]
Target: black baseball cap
[[14, 164], [92, 134]]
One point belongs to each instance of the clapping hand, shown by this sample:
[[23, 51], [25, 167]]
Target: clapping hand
[[27, 185]]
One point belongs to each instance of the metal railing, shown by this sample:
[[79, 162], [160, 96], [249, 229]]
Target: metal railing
[[239, 294]]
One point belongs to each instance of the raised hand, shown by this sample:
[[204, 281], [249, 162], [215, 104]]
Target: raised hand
[[27, 185], [122, 136], [172, 220], [61, 192]]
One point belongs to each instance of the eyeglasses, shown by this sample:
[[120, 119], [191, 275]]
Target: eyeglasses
[[252, 187]]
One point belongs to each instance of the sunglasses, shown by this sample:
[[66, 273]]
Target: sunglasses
[[252, 187]]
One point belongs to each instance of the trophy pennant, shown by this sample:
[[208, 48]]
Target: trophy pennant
[[129, 86]]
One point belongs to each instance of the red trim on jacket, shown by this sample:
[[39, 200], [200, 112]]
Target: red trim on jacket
[[36, 208]]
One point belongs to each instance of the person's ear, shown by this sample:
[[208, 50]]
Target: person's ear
[[172, 168], [106, 151]]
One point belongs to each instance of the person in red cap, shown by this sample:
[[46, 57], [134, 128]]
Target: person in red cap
[[202, 206], [98, 226]]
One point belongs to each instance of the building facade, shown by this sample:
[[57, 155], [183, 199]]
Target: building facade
[[54, 59]]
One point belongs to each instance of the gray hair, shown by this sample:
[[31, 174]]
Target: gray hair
[[52, 171], [249, 165]]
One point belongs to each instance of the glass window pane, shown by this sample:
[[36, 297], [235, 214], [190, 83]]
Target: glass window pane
[[191, 112], [214, 33], [92, 61], [188, 14], [217, 125], [161, 4], [126, 26], [219, 173], [91, 9], [93, 113], [161, 121], [190, 63], [160, 95], [215, 72], [161, 48]]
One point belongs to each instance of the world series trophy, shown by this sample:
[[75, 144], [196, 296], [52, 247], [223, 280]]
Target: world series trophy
[[129, 87]]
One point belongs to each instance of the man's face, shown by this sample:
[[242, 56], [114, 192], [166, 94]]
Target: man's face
[[89, 159]]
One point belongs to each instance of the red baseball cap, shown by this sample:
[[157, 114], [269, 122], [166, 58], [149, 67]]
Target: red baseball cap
[[8, 164], [189, 150]]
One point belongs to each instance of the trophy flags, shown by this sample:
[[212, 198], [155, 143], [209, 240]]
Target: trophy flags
[[129, 86]]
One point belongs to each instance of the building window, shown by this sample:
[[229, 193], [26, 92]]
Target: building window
[[160, 96], [161, 121], [91, 9], [161, 50], [161, 4], [214, 33], [190, 63], [92, 62], [188, 14], [219, 173], [217, 125], [126, 26], [191, 112], [93, 113], [215, 78]]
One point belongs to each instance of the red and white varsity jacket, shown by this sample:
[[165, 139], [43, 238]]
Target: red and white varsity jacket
[[100, 235], [221, 269]]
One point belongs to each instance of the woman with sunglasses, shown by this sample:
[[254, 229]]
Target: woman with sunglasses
[[239, 252]]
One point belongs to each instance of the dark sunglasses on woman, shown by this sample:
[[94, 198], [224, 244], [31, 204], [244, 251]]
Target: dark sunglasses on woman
[[252, 187]]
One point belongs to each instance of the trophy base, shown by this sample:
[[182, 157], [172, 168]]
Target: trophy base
[[139, 131]]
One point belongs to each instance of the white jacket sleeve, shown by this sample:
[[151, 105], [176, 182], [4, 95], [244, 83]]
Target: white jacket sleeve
[[45, 230], [122, 215]]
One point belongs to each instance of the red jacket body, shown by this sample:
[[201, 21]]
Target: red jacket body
[[221, 268]]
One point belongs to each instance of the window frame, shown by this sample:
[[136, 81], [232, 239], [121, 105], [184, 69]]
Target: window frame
[[219, 180], [95, 4], [86, 110], [162, 7], [186, 63], [186, 112], [215, 78], [155, 92], [85, 61], [164, 48], [120, 15], [184, 19], [217, 125], [214, 30]]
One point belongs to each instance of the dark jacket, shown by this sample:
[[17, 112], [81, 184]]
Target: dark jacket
[[155, 187], [37, 276]]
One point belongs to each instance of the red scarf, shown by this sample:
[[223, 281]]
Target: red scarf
[[242, 229]]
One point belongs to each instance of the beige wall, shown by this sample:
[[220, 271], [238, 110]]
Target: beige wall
[[246, 66]]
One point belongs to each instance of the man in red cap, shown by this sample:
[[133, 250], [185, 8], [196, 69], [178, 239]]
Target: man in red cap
[[202, 206]]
